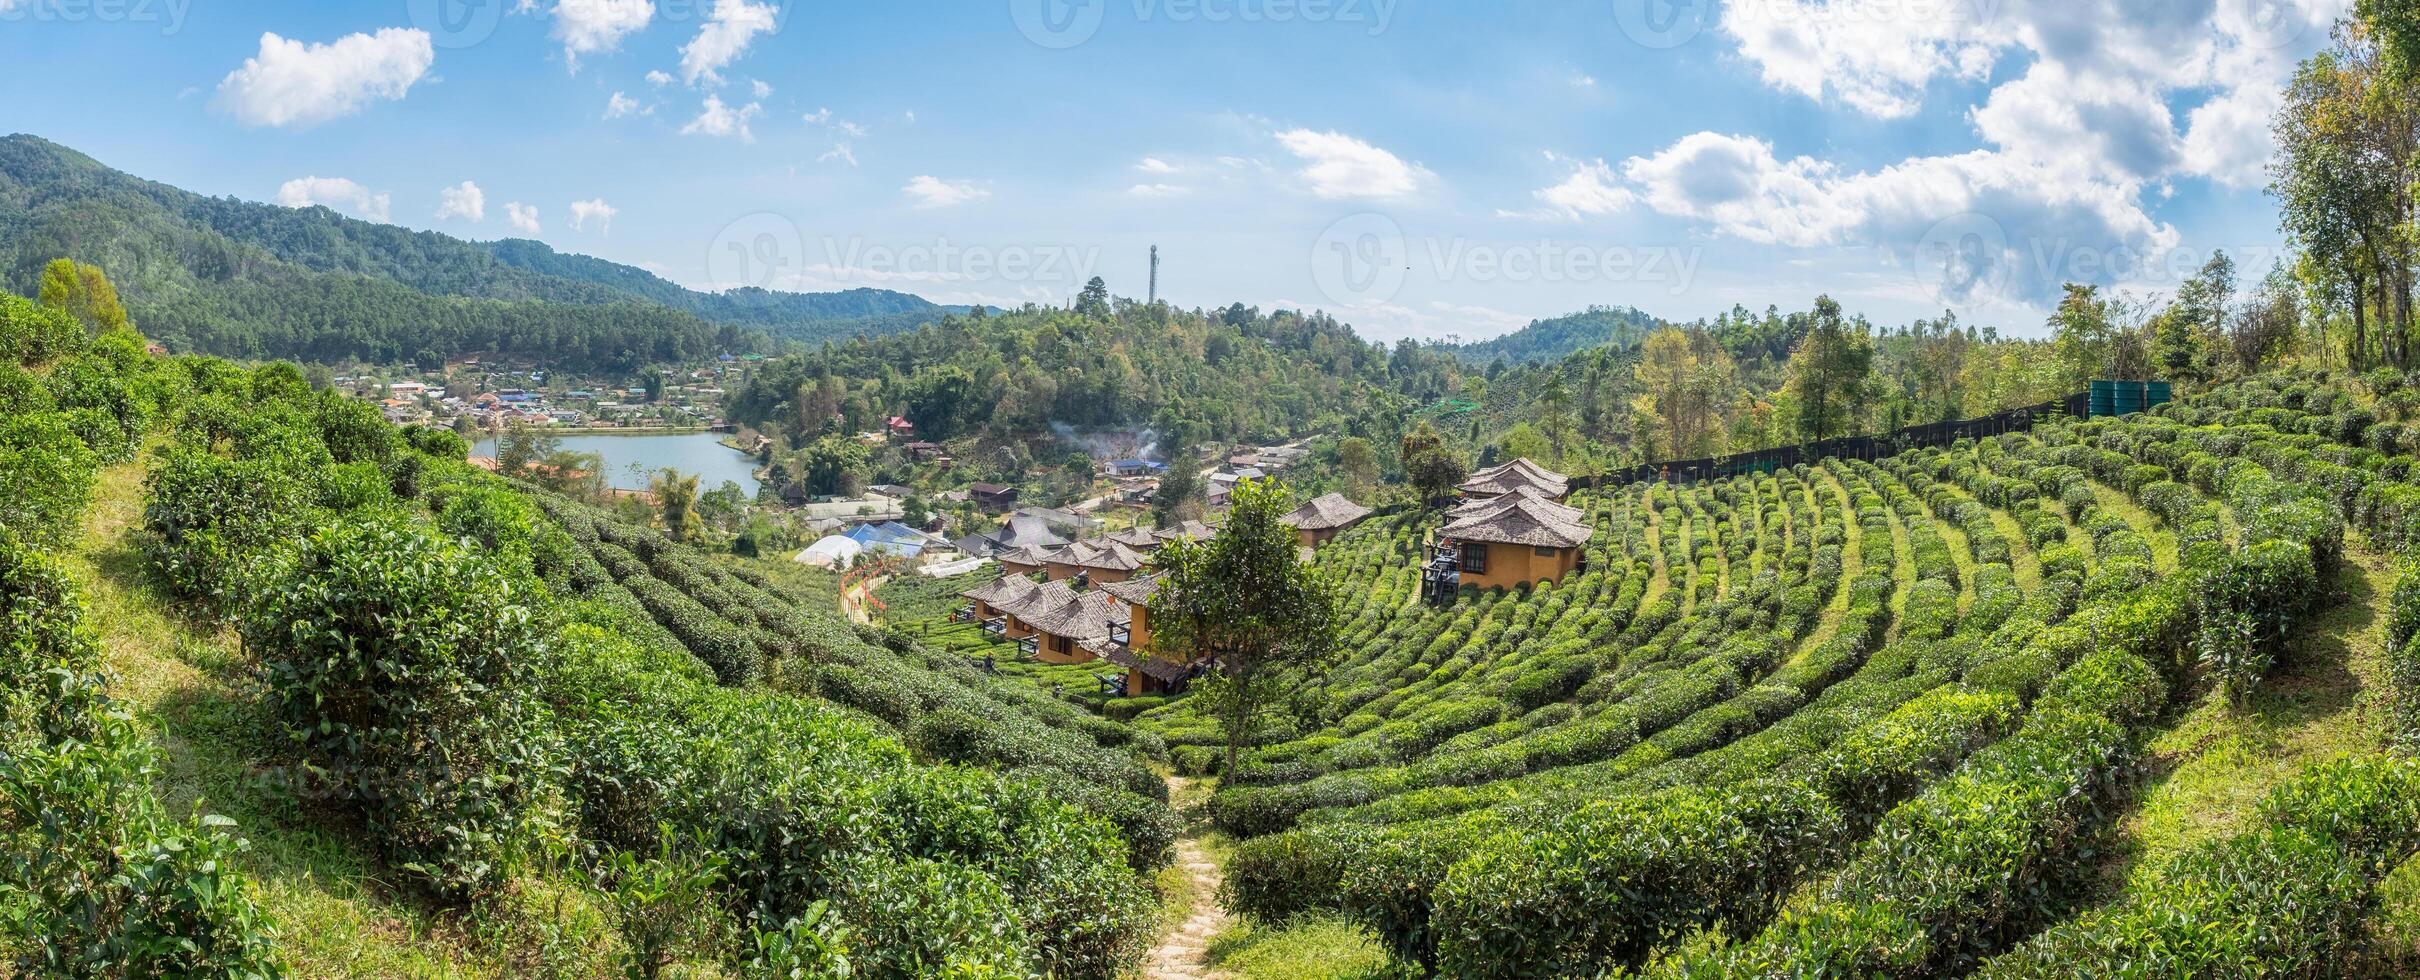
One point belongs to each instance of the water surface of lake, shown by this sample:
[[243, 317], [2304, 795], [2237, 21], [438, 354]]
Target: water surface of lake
[[700, 453]]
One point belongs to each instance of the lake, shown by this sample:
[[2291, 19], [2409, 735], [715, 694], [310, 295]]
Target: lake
[[700, 453]]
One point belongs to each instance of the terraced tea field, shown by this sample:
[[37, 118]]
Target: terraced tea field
[[1937, 714]]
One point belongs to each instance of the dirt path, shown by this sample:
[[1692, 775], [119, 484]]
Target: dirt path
[[1183, 953]]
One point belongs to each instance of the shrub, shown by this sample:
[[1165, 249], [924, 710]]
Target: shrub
[[98, 880], [400, 670], [46, 477], [1604, 885], [2249, 610]]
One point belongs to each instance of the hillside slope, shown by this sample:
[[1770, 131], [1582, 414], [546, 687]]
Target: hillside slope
[[240, 278]]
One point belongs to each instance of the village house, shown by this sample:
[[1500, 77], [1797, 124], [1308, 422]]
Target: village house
[[1496, 481], [994, 498], [1323, 518], [1147, 671], [1515, 540], [1113, 562]]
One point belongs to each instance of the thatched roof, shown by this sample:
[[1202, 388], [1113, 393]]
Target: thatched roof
[[1138, 538], [1115, 557], [1002, 592], [1074, 553], [1190, 530], [1498, 480], [1326, 513], [1135, 591], [1524, 522], [1083, 617], [1488, 506]]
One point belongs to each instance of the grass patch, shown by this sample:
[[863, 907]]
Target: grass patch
[[2212, 766], [1310, 948]]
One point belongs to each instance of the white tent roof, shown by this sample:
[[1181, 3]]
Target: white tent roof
[[829, 552]]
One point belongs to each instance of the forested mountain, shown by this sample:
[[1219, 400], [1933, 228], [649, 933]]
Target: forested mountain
[[1235, 373], [798, 316], [1547, 340], [245, 279]]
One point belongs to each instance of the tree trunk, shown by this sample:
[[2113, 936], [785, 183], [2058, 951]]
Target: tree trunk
[[2361, 323]]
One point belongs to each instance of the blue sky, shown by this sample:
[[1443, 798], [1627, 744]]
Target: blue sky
[[1417, 168]]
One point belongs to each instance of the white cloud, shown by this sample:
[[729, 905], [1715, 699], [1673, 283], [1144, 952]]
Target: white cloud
[[1155, 165], [523, 217], [840, 152], [1592, 189], [1155, 190], [622, 105], [464, 200], [725, 36], [2035, 218], [659, 78], [598, 26], [2100, 81], [2228, 138], [933, 192], [596, 210], [761, 89], [853, 129], [333, 192], [290, 83], [818, 117], [719, 119], [1343, 167], [1874, 55]]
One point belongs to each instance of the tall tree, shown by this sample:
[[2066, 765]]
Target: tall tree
[[1828, 373], [1179, 498], [84, 292], [1433, 469], [1357, 461], [676, 500], [1246, 601]]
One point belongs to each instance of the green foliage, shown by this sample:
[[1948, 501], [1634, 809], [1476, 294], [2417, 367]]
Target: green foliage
[[1246, 602], [2285, 899], [32, 335], [46, 476], [95, 878], [2249, 610], [400, 672], [1606, 884], [662, 902]]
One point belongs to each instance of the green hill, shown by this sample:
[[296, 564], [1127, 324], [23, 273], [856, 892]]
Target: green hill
[[244, 279], [1550, 340]]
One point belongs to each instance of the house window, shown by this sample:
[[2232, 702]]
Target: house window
[[1549, 552], [1474, 558], [1060, 645]]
